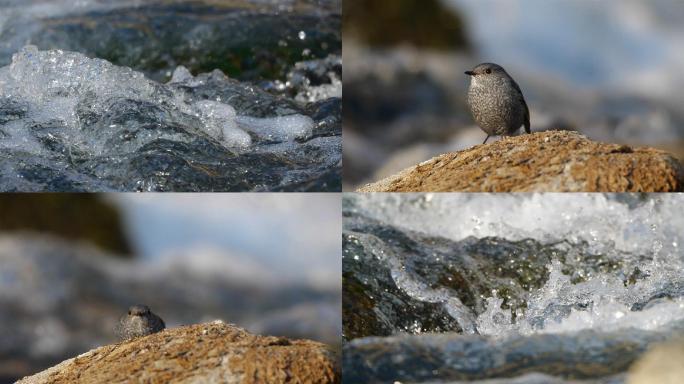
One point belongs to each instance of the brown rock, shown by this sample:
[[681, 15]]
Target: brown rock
[[662, 364], [551, 161], [204, 353]]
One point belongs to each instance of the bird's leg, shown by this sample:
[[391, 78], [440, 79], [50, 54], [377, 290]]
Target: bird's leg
[[485, 142]]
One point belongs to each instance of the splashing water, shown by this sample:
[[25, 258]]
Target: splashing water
[[69, 122], [605, 268]]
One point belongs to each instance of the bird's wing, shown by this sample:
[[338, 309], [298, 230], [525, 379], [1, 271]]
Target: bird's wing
[[527, 110]]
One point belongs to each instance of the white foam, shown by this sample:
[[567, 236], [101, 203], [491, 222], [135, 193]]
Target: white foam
[[219, 121], [59, 86], [604, 223], [180, 74], [644, 233], [278, 128], [311, 94]]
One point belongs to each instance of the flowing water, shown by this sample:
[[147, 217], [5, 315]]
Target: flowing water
[[170, 96], [474, 287]]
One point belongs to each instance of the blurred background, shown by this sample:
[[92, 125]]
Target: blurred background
[[70, 265], [612, 70], [250, 40]]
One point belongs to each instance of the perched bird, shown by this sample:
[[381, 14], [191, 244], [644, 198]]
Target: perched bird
[[139, 321], [496, 101]]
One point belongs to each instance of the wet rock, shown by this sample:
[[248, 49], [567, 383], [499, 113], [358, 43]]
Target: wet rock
[[552, 161], [373, 304], [210, 353], [662, 364], [448, 357]]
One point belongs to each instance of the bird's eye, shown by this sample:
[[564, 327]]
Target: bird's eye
[[488, 71]]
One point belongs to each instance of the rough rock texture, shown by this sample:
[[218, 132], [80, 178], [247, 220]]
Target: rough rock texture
[[551, 161], [664, 364], [208, 353]]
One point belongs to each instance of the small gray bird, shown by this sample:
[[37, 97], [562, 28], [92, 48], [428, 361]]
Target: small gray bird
[[496, 101], [140, 321]]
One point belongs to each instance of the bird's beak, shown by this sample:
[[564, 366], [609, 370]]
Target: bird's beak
[[470, 73]]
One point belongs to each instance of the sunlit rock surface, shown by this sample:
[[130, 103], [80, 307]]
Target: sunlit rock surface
[[69, 123], [478, 287], [552, 161], [208, 353]]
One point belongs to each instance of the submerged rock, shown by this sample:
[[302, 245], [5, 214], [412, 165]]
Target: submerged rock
[[71, 123], [552, 161], [209, 353]]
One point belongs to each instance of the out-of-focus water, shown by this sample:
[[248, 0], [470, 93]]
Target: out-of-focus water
[[548, 283]]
